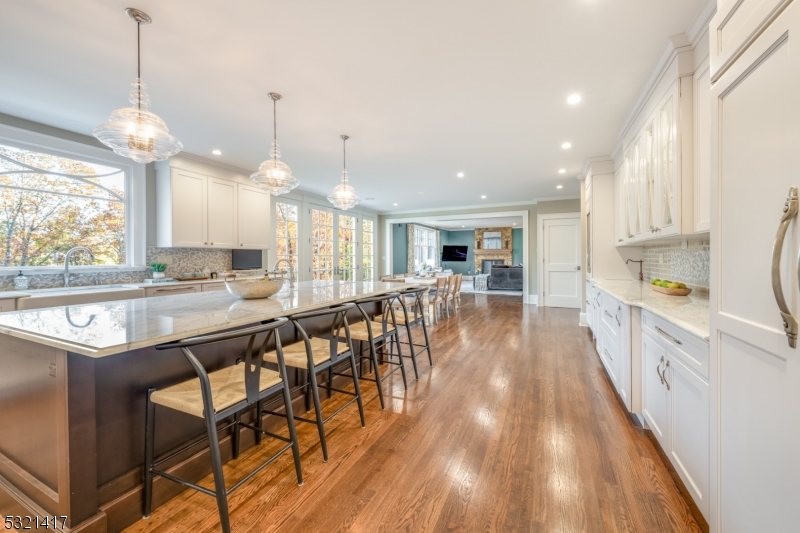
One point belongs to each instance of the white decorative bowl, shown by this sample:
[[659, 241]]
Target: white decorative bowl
[[253, 288]]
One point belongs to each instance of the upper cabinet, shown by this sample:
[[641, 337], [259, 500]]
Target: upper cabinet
[[659, 197], [198, 210]]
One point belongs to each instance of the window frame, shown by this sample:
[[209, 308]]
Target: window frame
[[427, 242], [274, 237], [134, 202]]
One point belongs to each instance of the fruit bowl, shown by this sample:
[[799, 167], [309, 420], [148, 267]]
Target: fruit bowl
[[678, 290], [253, 288]]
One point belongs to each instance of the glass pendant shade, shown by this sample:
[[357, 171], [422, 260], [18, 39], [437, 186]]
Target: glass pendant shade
[[137, 133], [274, 176], [344, 195]]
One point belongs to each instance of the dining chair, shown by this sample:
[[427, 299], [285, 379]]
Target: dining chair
[[457, 292], [438, 299]]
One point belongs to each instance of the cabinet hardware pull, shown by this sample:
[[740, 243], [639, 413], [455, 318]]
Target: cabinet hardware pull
[[205, 243], [607, 313], [176, 289], [665, 375], [658, 366], [789, 212], [619, 308], [608, 354], [667, 335], [621, 240]]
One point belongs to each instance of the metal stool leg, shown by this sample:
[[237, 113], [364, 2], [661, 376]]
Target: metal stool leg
[[216, 466], [400, 356], [411, 347], [357, 388], [259, 421], [373, 353], [236, 437], [149, 439], [318, 408], [287, 401]]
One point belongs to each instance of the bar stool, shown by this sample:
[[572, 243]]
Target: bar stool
[[439, 297], [375, 333], [410, 301], [316, 354], [216, 396]]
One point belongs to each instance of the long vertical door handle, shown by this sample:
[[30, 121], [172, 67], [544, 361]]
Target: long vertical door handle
[[666, 382], [789, 321], [658, 370]]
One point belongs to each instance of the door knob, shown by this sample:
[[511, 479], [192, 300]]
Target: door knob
[[578, 267]]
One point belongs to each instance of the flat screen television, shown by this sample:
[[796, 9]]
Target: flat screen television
[[453, 253], [246, 259]]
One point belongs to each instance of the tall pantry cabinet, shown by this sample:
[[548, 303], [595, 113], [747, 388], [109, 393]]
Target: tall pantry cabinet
[[755, 304]]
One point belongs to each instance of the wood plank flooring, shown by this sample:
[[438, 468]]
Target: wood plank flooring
[[514, 429]]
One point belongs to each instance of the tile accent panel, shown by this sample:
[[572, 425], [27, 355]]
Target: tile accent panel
[[690, 266], [179, 260]]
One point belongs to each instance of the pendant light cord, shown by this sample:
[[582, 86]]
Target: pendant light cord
[[344, 151], [139, 62], [275, 131]]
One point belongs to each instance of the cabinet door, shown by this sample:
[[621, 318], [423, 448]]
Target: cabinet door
[[690, 407], [755, 372], [620, 216], [649, 177], [254, 217], [8, 304], [668, 191], [702, 149], [188, 209], [655, 408], [221, 213]]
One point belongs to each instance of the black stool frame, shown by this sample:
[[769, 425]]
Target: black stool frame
[[252, 369], [311, 385], [418, 317]]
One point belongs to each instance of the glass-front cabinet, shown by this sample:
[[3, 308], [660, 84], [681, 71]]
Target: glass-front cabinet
[[668, 172]]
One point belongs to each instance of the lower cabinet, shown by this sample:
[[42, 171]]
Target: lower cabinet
[[8, 304], [215, 286], [676, 405], [172, 290]]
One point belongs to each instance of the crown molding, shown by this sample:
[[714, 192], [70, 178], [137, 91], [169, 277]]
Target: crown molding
[[433, 210], [591, 161], [701, 21]]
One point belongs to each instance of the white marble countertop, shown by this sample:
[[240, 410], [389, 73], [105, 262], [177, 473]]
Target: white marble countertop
[[103, 329], [690, 313], [13, 294]]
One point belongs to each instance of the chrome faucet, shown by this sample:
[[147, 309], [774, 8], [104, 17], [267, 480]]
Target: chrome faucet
[[66, 260], [290, 270]]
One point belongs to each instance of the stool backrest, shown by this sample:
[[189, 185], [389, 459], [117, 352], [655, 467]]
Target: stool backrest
[[417, 307], [382, 298], [252, 361], [339, 321]]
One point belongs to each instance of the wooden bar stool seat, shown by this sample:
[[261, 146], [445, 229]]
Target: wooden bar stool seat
[[359, 330], [296, 357]]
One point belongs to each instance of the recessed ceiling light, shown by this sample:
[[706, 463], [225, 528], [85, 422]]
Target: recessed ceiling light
[[566, 146], [562, 170], [463, 226], [394, 205], [216, 152], [460, 175], [559, 186], [514, 224], [483, 196], [574, 99]]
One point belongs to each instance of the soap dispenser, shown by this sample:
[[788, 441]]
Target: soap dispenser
[[20, 282]]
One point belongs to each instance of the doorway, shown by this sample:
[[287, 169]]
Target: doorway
[[560, 279]]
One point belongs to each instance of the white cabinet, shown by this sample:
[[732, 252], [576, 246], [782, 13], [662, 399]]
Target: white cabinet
[[756, 387], [221, 209], [213, 286], [676, 402], [702, 148], [184, 224], [254, 217], [196, 210], [612, 328]]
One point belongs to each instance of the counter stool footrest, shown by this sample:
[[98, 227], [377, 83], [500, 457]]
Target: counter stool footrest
[[190, 445], [183, 482], [265, 432]]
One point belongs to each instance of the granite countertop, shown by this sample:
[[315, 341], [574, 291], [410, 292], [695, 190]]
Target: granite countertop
[[103, 329], [13, 294], [690, 313]]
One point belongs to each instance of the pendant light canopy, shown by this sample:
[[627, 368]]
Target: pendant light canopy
[[274, 175], [344, 195], [135, 132]]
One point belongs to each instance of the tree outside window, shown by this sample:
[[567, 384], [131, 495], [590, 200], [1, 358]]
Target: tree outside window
[[286, 234], [49, 204]]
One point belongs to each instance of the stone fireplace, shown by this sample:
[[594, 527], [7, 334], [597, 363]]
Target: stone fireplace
[[500, 255]]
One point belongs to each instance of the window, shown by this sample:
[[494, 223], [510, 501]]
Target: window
[[426, 248], [321, 245], [48, 204], [347, 248], [367, 250], [286, 234]]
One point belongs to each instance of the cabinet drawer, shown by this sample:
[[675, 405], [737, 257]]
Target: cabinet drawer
[[610, 354], [691, 350], [172, 290], [218, 286], [611, 315], [736, 24], [8, 304]]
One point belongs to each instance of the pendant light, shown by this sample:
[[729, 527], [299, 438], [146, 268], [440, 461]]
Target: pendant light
[[344, 195], [135, 132], [274, 175]]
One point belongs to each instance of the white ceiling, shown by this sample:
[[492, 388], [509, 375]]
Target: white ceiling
[[424, 89], [472, 223]]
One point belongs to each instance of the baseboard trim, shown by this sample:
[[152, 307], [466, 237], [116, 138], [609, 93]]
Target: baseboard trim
[[582, 320], [533, 299]]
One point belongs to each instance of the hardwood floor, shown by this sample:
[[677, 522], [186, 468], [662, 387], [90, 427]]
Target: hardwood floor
[[515, 429]]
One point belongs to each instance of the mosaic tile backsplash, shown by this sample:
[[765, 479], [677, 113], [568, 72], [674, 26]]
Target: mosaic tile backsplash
[[179, 260], [690, 266]]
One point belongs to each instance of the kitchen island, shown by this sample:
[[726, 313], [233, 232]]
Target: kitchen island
[[73, 382]]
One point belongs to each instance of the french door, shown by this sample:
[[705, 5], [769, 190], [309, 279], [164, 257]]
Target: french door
[[335, 250]]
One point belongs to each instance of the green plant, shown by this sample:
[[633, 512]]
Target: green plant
[[158, 267]]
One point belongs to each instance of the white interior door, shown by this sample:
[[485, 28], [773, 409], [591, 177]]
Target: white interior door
[[755, 372], [561, 262]]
